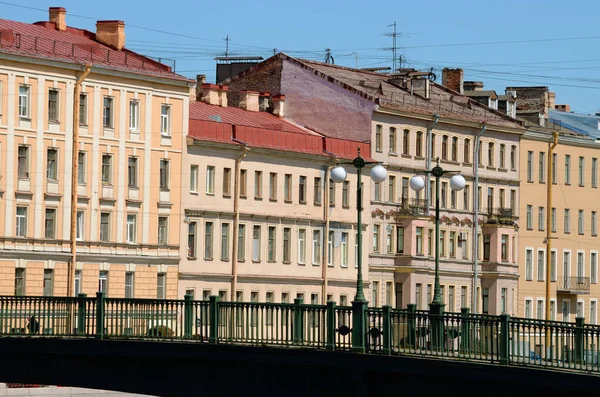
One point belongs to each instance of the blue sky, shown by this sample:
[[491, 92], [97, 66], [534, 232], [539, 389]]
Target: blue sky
[[502, 43]]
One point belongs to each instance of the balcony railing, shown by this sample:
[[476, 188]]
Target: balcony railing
[[503, 216], [413, 206], [574, 285]]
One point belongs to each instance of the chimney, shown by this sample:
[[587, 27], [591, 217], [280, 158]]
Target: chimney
[[111, 33], [223, 89], [453, 79], [473, 86], [58, 16], [200, 80], [263, 101], [249, 100], [551, 101], [209, 93], [279, 105], [563, 108]]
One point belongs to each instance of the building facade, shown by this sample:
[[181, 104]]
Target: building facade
[[130, 119]]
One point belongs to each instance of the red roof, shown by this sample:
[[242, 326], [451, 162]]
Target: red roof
[[42, 40], [264, 130]]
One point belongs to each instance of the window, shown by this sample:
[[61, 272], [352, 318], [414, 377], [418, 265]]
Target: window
[[528, 264], [580, 265], [490, 154], [467, 151], [301, 245], [376, 237], [134, 115], [502, 154], [131, 228], [593, 267], [490, 198], [540, 309], [567, 169], [566, 264], [161, 285], [528, 304], [430, 242], [287, 245], [50, 223], [378, 145], [580, 222], [287, 187], [52, 164], [331, 193], [24, 92], [83, 109], [103, 281], [129, 277], [53, 109], [377, 195], [486, 246], [567, 221], [541, 218], [552, 265], [21, 222], [105, 226], [501, 199], [345, 194], [258, 185], [316, 247], [593, 312], [444, 194], [193, 178], [504, 248], [77, 282], [19, 281], [442, 242], [272, 186], [454, 149], [452, 244], [301, 190], [594, 172], [452, 198], [419, 144], [466, 197], [162, 230], [225, 241], [164, 174], [530, 166], [391, 189], [433, 155], [132, 172], [106, 169], [344, 249], [553, 220], [243, 183], [418, 288], [317, 191], [513, 157], [400, 239], [552, 310], [554, 168], [375, 294], [565, 310], [529, 217], [208, 240], [107, 112], [542, 167], [272, 244], [594, 224], [23, 161], [465, 246], [445, 147], [330, 248], [388, 293], [540, 265], [451, 299], [80, 230], [241, 253], [165, 123], [581, 172], [392, 140], [256, 232], [210, 179], [406, 142], [192, 240], [48, 282], [226, 182], [81, 163], [389, 247], [485, 300]]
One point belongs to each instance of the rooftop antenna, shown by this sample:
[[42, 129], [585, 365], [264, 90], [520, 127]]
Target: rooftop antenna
[[227, 46], [328, 56], [394, 34]]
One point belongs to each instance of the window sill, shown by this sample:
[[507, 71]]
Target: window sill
[[243, 196], [301, 202], [317, 204], [24, 118], [417, 157], [224, 259], [258, 198], [378, 151], [594, 234], [165, 189], [253, 261], [287, 262], [272, 200], [228, 196], [301, 264], [406, 156], [393, 154], [194, 193], [344, 266], [580, 185], [55, 122], [83, 125], [287, 201], [316, 264], [345, 207], [490, 167], [502, 169], [208, 259]]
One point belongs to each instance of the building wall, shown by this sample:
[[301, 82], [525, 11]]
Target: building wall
[[209, 274], [575, 197], [37, 248]]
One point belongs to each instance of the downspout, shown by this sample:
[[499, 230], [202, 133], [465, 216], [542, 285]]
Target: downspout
[[236, 215], [476, 215], [429, 155], [74, 181], [551, 147], [326, 237]]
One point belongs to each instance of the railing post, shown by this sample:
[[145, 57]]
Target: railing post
[[579, 321], [504, 339], [411, 325], [436, 319], [297, 336], [465, 329], [81, 308], [387, 329], [100, 315], [330, 344], [188, 314], [359, 326], [213, 337]]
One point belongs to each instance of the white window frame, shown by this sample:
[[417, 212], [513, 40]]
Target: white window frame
[[163, 231], [210, 179], [165, 120], [194, 178], [106, 169], [21, 222], [56, 114], [23, 172], [316, 247], [161, 285], [164, 174], [131, 228], [83, 109], [81, 167], [256, 243], [103, 281], [108, 107], [553, 267], [527, 309], [129, 285], [593, 318], [24, 101], [580, 263], [344, 249], [134, 115], [529, 266], [541, 267], [80, 230], [52, 164], [302, 246]]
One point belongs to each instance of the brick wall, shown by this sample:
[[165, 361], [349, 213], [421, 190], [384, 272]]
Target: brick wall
[[266, 78], [453, 79]]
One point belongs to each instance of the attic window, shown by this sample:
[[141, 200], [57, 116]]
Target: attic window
[[216, 118]]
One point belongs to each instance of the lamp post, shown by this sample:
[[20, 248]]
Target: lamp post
[[417, 183], [359, 305]]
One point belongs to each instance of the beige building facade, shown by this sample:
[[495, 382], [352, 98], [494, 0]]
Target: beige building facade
[[131, 130]]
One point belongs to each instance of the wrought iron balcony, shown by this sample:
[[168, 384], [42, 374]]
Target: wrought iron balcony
[[503, 216], [574, 285], [413, 206]]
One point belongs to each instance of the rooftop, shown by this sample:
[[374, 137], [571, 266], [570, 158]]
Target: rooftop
[[585, 124]]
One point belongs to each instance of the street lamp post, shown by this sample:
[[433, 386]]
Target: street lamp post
[[359, 305], [417, 183]]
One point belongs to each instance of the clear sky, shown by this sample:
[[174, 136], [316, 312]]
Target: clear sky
[[502, 43]]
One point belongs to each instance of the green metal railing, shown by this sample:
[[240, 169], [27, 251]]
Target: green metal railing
[[500, 339]]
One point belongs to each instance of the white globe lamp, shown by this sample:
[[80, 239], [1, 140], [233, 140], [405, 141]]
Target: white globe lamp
[[338, 174], [457, 182], [378, 173], [417, 183]]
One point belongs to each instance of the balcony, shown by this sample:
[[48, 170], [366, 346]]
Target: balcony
[[573, 285], [413, 207], [502, 216]]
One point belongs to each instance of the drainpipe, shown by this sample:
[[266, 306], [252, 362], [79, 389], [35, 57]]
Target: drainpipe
[[551, 147], [476, 215], [236, 216], [436, 118]]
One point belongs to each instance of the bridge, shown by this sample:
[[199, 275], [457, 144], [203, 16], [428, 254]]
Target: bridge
[[187, 347]]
